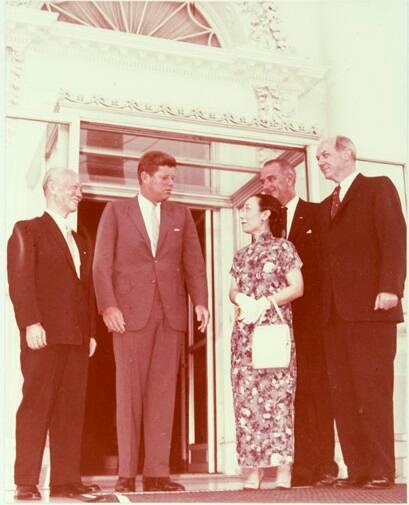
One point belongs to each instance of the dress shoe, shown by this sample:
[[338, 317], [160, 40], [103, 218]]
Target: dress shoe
[[326, 480], [252, 477], [160, 484], [348, 482], [27, 493], [70, 490], [125, 485], [381, 483]]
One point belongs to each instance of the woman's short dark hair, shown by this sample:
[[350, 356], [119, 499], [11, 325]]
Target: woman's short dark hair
[[276, 219], [152, 160]]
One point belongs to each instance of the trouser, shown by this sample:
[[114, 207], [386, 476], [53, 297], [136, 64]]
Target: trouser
[[53, 401], [314, 420], [147, 363], [360, 357]]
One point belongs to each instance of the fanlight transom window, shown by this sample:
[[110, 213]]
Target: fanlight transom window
[[180, 21]]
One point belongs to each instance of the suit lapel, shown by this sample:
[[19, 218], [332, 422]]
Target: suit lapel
[[84, 258], [165, 222], [53, 230], [352, 192], [298, 221], [326, 212], [135, 215]]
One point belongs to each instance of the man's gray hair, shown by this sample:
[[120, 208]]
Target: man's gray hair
[[52, 175], [285, 166], [344, 144]]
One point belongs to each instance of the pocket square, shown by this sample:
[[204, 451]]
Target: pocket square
[[308, 231], [176, 229]]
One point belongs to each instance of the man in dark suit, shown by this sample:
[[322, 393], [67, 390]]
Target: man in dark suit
[[314, 423], [362, 232], [147, 251], [49, 273]]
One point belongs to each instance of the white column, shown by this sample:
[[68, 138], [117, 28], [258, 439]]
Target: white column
[[224, 247]]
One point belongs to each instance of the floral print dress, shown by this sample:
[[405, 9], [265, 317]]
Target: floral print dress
[[263, 398]]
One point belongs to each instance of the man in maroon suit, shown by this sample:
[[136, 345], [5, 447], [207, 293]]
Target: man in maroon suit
[[362, 235], [314, 422], [50, 285], [147, 251]]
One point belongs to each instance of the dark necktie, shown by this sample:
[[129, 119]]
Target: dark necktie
[[285, 231], [335, 202]]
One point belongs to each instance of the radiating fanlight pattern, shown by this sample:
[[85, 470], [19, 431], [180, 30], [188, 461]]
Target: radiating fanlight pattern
[[181, 21]]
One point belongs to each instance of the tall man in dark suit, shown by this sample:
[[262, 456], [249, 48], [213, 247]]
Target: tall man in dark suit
[[363, 258], [314, 423], [147, 252], [49, 273]]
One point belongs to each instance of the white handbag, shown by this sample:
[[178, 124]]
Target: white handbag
[[271, 346]]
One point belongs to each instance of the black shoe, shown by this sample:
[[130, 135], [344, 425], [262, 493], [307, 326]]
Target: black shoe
[[348, 482], [326, 480], [158, 484], [125, 485], [70, 490], [27, 493], [381, 483]]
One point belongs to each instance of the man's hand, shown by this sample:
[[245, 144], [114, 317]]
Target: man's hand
[[114, 319], [386, 301], [92, 347], [35, 336], [203, 316]]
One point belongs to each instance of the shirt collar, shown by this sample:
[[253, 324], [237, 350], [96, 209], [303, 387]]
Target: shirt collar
[[61, 221], [346, 183], [292, 204], [144, 202]]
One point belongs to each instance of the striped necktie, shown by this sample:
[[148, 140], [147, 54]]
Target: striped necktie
[[335, 202]]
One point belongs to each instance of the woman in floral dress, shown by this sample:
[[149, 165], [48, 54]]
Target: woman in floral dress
[[263, 398]]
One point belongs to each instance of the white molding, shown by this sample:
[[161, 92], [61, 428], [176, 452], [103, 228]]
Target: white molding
[[254, 64], [24, 28], [133, 107], [264, 25]]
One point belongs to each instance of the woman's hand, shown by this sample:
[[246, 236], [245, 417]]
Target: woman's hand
[[251, 309]]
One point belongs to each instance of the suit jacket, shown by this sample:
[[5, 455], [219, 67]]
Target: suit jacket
[[43, 284], [304, 235], [363, 250], [126, 274]]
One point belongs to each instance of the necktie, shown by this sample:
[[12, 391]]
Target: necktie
[[336, 202], [72, 246], [154, 229], [284, 232]]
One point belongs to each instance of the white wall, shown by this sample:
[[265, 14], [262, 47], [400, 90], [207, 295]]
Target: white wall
[[364, 45]]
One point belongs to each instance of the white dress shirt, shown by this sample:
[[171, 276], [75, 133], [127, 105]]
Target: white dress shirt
[[146, 207], [346, 184], [291, 206], [64, 226]]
